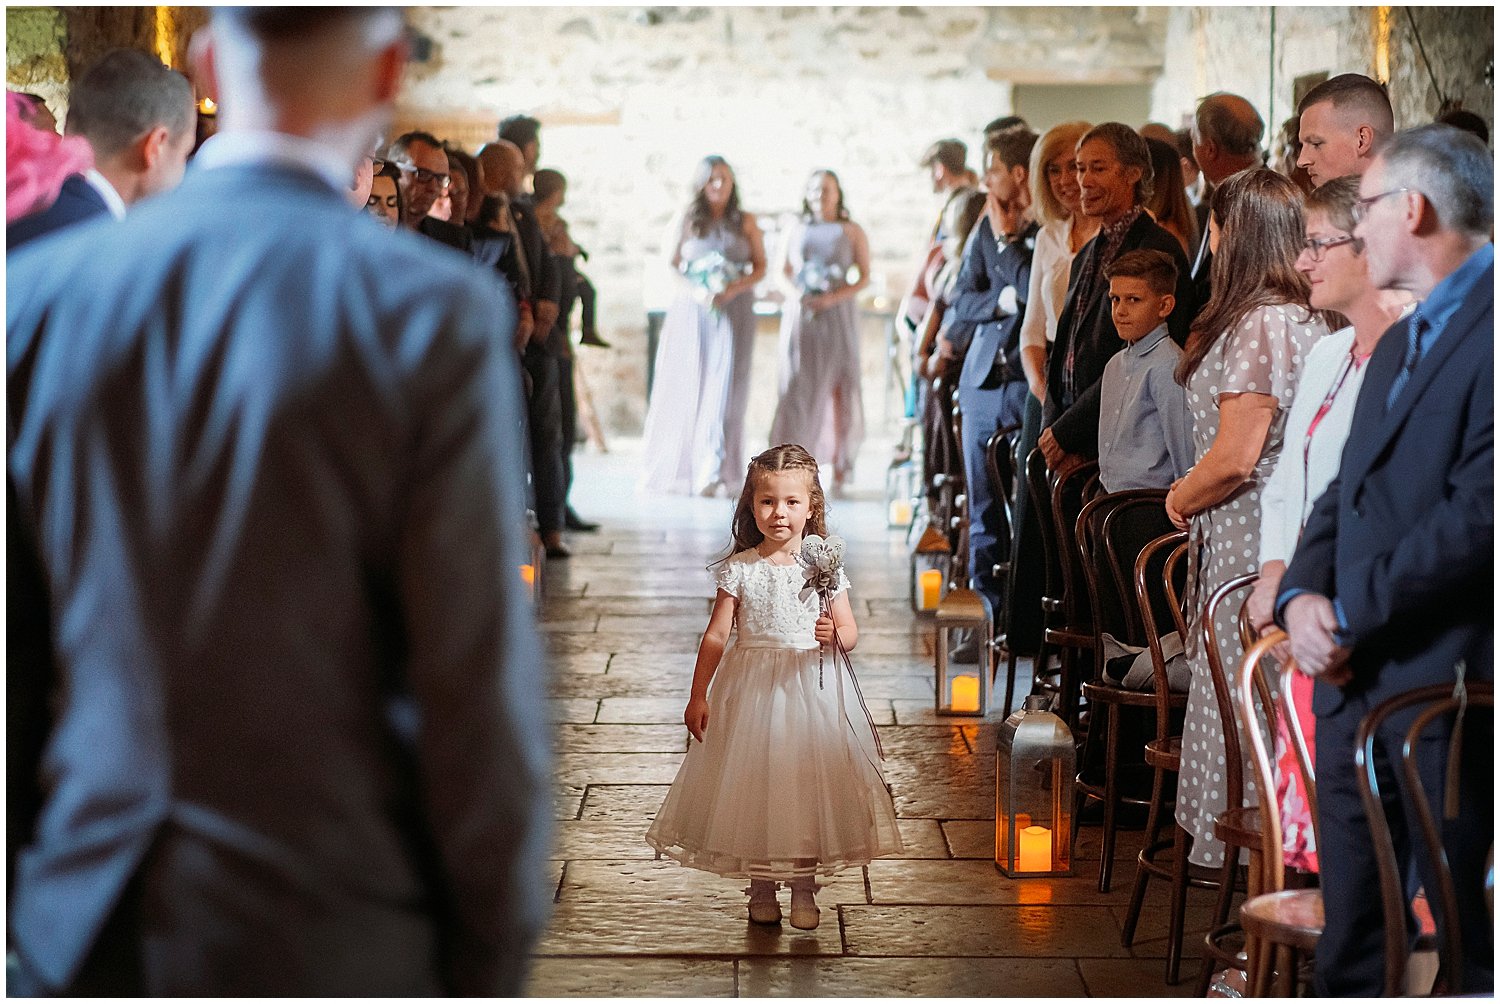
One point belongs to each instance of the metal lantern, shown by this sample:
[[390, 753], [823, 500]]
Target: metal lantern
[[963, 686], [531, 573], [931, 566], [900, 493], [1034, 773]]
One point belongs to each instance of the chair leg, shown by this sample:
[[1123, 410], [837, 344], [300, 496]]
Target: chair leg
[[1111, 796], [1261, 963], [1177, 918], [1221, 912], [1010, 676], [1142, 874]]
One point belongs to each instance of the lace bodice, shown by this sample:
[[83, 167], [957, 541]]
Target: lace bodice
[[772, 611]]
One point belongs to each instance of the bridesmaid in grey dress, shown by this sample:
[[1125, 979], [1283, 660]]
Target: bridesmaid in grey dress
[[820, 406], [695, 424]]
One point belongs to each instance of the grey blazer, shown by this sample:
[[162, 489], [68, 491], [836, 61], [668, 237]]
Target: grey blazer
[[269, 457]]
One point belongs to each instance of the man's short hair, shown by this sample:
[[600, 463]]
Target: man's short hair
[[545, 182], [123, 96], [1013, 145], [1460, 118], [1357, 92], [399, 147], [1223, 123], [1005, 122], [1155, 268], [519, 129], [1451, 169], [951, 153]]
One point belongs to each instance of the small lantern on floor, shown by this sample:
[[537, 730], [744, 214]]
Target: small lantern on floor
[[900, 492], [931, 562], [531, 572], [1034, 774], [964, 624]]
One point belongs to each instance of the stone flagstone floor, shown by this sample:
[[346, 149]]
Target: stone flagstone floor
[[622, 619]]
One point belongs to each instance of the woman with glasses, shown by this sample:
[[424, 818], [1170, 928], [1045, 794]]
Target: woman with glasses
[[695, 424], [1240, 367], [1316, 428]]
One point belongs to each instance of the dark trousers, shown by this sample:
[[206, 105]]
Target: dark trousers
[[984, 411], [568, 419], [1028, 571], [1350, 956], [544, 425], [588, 297]]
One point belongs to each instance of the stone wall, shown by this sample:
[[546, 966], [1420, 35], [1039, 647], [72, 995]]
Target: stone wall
[[1229, 48]]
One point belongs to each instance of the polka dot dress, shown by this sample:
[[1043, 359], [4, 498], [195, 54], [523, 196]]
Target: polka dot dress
[[1262, 355]]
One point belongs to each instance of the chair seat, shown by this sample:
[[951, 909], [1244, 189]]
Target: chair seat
[[1290, 917], [1238, 827], [1166, 755]]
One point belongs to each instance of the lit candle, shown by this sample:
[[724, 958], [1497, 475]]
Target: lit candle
[[528, 576], [900, 514], [1036, 850], [965, 693], [932, 588]]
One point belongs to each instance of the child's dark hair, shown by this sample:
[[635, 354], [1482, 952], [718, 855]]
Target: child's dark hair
[[788, 457], [1155, 267]]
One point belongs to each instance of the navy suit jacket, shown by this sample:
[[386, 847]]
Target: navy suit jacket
[[996, 340], [276, 494], [77, 202], [1403, 538]]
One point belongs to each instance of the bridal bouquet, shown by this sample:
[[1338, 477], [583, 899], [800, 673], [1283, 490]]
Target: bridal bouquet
[[711, 274], [815, 278]]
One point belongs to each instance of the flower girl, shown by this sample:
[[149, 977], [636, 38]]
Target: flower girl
[[783, 783]]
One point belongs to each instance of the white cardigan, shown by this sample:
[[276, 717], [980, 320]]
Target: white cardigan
[[1293, 488]]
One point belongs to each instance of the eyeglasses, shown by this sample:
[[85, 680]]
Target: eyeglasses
[[1317, 247], [423, 175], [1361, 207]]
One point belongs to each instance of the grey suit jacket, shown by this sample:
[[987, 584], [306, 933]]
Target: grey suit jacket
[[269, 454]]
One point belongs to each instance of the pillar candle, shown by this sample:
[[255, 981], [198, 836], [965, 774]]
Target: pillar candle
[[1036, 850], [900, 514], [965, 693], [931, 582], [528, 576]]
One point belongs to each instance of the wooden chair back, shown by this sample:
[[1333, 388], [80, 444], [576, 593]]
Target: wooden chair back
[[1154, 569], [1261, 682], [1436, 702], [1234, 753]]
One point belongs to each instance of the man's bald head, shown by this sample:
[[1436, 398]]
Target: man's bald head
[[503, 166], [329, 73], [1341, 122], [1226, 135]]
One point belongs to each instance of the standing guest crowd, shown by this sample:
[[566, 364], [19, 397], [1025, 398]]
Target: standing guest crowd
[[223, 541], [1301, 361]]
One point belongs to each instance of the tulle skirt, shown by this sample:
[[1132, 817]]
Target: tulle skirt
[[786, 783]]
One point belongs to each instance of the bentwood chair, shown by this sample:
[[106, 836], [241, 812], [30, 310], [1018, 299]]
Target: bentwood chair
[[1238, 826], [1281, 925], [1071, 490], [999, 462], [1060, 631], [1125, 520], [1435, 703]]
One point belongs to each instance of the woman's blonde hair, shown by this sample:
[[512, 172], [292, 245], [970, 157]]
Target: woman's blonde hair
[[788, 457], [1055, 141]]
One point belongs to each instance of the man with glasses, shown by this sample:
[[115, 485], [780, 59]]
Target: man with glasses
[[1392, 583], [423, 164]]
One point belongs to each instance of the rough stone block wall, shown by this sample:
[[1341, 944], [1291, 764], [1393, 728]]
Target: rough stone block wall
[[1228, 48]]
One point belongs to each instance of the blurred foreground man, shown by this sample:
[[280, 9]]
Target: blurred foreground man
[[275, 716]]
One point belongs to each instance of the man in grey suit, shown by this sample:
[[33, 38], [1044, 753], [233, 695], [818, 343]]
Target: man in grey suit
[[284, 695]]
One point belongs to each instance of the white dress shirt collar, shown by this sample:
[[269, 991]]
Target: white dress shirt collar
[[264, 147], [101, 184]]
